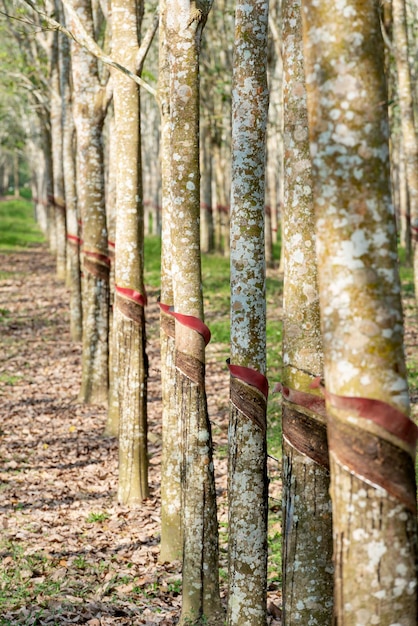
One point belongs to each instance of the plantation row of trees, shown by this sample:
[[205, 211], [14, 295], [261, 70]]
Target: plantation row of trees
[[119, 122]]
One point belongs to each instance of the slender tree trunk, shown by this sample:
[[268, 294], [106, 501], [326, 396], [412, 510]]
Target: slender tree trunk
[[371, 438], [112, 421], [129, 318], [201, 600], [221, 175], [307, 519], [58, 198], [409, 135], [49, 184], [88, 118], [16, 174], [274, 173], [206, 213], [73, 278], [171, 488], [36, 154], [247, 545], [404, 210]]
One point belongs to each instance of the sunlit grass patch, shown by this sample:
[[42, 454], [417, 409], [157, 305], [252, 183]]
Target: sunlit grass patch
[[97, 517], [18, 228]]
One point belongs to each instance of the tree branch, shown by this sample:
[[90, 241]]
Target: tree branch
[[83, 39], [146, 42]]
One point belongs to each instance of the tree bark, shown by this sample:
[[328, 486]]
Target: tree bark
[[73, 276], [58, 198], [171, 487], [371, 437], [129, 318], [307, 520], [88, 117], [247, 487], [408, 128], [201, 600]]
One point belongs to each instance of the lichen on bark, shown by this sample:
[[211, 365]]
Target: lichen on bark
[[88, 117], [171, 514], [200, 597], [129, 314], [361, 314], [247, 481], [307, 520]]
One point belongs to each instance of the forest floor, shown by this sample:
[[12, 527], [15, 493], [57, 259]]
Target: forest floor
[[69, 553]]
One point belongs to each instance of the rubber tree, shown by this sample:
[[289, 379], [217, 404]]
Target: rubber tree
[[247, 487], [407, 121], [89, 108], [201, 600], [371, 436], [73, 275], [57, 139], [307, 519], [34, 52], [130, 297], [171, 547]]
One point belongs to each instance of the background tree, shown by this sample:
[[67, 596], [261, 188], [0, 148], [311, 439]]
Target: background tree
[[73, 278], [56, 119], [26, 66], [307, 519], [407, 121], [371, 437], [130, 297], [129, 318], [90, 104], [247, 463]]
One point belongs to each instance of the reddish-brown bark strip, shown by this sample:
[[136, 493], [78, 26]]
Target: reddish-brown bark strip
[[74, 239], [374, 459], [306, 434], [249, 402], [387, 417], [132, 295], [190, 321], [250, 376], [309, 401], [130, 308], [100, 258]]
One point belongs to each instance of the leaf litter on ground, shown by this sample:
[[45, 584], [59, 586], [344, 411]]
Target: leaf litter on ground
[[69, 553]]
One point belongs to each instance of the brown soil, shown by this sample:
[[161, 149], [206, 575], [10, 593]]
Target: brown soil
[[70, 553]]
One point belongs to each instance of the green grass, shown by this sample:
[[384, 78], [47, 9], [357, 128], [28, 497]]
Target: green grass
[[24, 576], [97, 517], [412, 369], [18, 228], [152, 261], [9, 379]]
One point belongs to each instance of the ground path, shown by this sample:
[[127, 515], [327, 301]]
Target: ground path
[[69, 554]]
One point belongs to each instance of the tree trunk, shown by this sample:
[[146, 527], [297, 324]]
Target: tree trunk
[[88, 118], [73, 278], [371, 438], [112, 421], [307, 520], [274, 172], [171, 488], [201, 600], [58, 198], [129, 319], [409, 135], [16, 187], [206, 213], [247, 545]]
